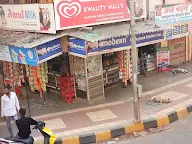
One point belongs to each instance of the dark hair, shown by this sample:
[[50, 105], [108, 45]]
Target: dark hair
[[22, 111], [7, 87]]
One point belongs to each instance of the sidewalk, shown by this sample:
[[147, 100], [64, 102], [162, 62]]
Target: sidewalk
[[117, 93], [115, 111]]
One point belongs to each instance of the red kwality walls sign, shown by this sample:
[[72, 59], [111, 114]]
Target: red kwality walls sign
[[78, 13]]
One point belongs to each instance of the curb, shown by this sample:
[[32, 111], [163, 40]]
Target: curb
[[152, 122]]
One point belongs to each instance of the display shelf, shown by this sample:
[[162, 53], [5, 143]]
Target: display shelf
[[95, 87], [112, 76]]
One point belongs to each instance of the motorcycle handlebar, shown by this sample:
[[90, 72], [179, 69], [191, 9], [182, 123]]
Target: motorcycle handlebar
[[40, 125]]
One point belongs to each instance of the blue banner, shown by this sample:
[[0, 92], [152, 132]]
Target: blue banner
[[124, 41], [77, 46], [23, 55], [149, 37], [49, 50]]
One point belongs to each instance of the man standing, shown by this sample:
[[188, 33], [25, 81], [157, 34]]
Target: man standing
[[9, 107]]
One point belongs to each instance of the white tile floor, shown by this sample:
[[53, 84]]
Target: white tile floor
[[55, 124], [101, 115], [189, 85]]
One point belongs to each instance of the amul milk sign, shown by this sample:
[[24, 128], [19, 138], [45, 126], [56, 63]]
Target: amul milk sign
[[78, 13], [31, 17]]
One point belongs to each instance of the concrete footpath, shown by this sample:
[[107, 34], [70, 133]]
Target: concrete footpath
[[108, 120]]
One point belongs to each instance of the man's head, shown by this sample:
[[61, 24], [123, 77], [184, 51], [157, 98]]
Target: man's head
[[7, 90], [22, 112]]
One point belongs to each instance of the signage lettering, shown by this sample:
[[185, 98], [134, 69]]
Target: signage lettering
[[22, 14], [77, 46], [112, 42], [15, 15], [103, 7], [98, 8], [30, 15], [49, 49], [168, 10]]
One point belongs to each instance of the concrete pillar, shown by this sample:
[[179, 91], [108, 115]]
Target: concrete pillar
[[190, 48], [187, 49]]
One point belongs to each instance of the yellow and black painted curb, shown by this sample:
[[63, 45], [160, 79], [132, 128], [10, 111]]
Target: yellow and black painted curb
[[119, 131]]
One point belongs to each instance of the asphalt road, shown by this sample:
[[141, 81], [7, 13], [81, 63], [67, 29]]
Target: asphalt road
[[179, 133]]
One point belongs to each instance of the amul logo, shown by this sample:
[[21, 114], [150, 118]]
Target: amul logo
[[68, 9]]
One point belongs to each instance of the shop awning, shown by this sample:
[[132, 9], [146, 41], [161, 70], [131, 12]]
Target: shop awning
[[114, 37], [26, 39], [31, 40], [116, 29], [29, 48]]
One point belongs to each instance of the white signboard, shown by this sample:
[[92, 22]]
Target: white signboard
[[31, 17], [4, 53], [172, 14]]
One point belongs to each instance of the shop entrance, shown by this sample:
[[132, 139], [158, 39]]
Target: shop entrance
[[110, 69], [57, 67], [117, 66], [146, 58]]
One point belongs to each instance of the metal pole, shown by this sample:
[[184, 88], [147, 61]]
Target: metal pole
[[28, 103], [134, 58]]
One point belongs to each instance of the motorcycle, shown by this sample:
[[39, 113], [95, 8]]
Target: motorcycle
[[49, 137]]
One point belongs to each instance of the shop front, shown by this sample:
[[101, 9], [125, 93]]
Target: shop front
[[105, 62], [179, 33], [26, 59]]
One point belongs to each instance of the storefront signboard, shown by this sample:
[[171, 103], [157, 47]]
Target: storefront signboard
[[28, 17], [169, 34], [184, 28], [49, 50], [178, 30], [163, 59], [172, 14], [123, 41], [149, 37], [108, 43], [4, 53], [77, 46], [73, 13], [31, 56], [23, 55]]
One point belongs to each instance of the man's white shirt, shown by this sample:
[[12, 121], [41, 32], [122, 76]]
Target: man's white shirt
[[9, 105]]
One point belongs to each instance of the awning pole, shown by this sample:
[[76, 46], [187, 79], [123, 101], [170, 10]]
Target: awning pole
[[28, 103]]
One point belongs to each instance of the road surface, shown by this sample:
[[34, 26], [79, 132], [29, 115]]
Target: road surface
[[179, 133]]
